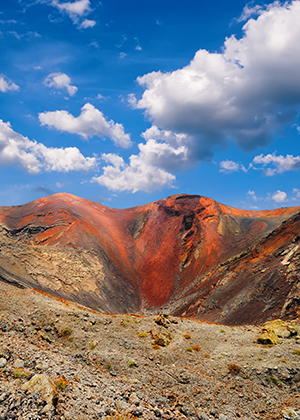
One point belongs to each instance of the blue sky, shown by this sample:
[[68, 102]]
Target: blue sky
[[125, 103]]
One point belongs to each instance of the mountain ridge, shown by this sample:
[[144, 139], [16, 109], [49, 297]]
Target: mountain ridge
[[158, 256]]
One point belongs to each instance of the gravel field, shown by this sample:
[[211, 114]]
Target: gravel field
[[59, 360]]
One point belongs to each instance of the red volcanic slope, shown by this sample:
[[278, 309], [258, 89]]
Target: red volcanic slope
[[159, 249]]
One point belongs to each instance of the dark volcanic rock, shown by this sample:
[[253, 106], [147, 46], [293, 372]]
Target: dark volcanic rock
[[186, 255]]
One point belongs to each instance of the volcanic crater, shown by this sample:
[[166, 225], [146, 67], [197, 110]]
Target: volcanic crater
[[185, 255]]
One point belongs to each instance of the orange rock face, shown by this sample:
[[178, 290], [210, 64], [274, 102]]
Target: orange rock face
[[164, 255]]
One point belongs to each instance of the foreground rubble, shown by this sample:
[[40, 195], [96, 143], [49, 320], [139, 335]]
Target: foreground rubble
[[63, 361]]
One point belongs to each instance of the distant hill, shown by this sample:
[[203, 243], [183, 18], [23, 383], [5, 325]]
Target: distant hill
[[187, 255]]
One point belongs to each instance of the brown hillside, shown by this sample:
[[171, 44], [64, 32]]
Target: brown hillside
[[181, 254]]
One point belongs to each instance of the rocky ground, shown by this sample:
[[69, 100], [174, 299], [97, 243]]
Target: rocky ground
[[63, 361]]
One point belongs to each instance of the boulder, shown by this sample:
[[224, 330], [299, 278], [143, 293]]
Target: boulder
[[271, 331], [163, 320], [161, 336], [44, 386]]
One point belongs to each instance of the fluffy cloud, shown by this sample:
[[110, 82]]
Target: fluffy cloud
[[76, 11], [235, 95], [60, 81], [87, 24], [167, 149], [6, 84], [249, 11], [36, 157], [137, 176], [163, 151], [282, 164], [90, 122], [73, 9], [271, 164], [229, 166], [279, 196]]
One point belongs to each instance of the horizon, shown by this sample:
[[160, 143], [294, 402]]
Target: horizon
[[172, 196], [126, 104]]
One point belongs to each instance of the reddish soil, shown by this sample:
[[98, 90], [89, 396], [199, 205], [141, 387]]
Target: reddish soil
[[162, 250]]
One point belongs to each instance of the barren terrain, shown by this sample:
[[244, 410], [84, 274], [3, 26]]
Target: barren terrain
[[185, 255], [112, 370]]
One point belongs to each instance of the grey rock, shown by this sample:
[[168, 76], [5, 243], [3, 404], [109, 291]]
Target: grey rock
[[2, 362]]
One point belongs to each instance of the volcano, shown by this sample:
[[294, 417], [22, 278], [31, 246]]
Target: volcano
[[186, 255]]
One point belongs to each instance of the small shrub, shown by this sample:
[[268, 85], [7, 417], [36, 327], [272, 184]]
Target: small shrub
[[277, 382], [268, 378], [93, 346], [222, 331], [187, 336], [142, 334], [123, 323], [283, 361], [108, 366], [189, 349], [18, 372], [71, 338], [132, 364], [233, 369], [196, 348], [259, 358], [206, 355], [66, 332], [296, 352], [61, 383]]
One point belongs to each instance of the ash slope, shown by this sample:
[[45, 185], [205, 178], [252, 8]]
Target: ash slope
[[187, 255]]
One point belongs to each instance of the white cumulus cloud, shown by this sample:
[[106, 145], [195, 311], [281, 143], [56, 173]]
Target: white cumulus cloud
[[73, 9], [60, 81], [167, 150], [235, 95], [229, 166], [87, 24], [90, 122], [280, 163], [139, 175], [279, 196], [249, 11], [271, 164], [76, 10], [36, 157], [6, 84]]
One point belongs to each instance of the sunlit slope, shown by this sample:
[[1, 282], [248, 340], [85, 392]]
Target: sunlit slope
[[132, 260]]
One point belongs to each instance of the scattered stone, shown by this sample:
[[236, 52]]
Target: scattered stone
[[137, 413], [43, 385], [161, 336], [44, 336], [167, 384], [163, 320], [2, 362], [18, 363], [271, 331], [290, 414], [5, 352]]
